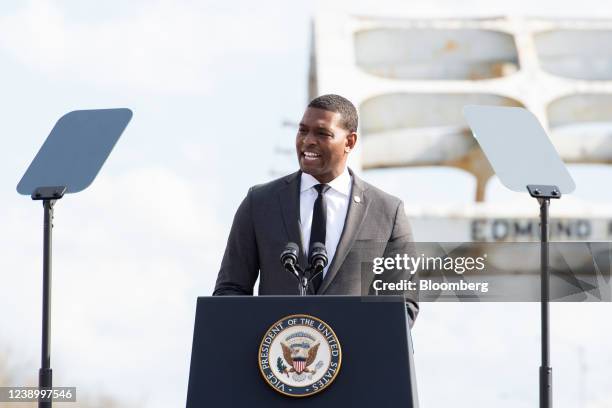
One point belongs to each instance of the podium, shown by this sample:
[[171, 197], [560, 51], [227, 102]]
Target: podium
[[280, 351]]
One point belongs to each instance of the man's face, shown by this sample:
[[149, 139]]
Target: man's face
[[322, 144]]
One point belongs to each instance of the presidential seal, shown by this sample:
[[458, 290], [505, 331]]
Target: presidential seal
[[300, 355]]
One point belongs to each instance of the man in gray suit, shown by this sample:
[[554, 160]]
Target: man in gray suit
[[323, 202]]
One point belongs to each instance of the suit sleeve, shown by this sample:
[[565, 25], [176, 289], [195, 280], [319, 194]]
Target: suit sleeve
[[402, 242], [240, 264]]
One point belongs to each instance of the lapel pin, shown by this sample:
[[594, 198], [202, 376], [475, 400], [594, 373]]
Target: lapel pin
[[357, 199]]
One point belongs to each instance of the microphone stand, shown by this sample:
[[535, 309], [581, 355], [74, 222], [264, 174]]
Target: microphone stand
[[300, 275], [303, 276]]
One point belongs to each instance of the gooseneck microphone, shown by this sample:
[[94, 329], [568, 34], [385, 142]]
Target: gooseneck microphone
[[289, 256], [318, 258], [289, 260]]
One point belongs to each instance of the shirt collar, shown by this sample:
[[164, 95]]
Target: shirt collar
[[341, 184]]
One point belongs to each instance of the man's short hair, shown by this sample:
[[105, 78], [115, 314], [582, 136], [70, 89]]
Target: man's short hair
[[341, 105]]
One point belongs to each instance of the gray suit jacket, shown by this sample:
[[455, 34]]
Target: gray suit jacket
[[268, 218]]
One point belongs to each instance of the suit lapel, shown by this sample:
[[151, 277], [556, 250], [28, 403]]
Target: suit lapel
[[289, 197], [357, 209]]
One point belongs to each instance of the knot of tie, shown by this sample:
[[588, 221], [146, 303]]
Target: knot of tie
[[322, 188]]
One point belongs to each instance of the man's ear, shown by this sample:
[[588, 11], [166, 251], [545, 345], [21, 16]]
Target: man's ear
[[351, 141]]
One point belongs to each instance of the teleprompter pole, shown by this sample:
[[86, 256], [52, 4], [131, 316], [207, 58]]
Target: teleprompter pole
[[544, 194], [45, 374], [48, 195], [545, 368]]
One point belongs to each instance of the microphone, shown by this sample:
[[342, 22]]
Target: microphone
[[318, 257], [289, 256]]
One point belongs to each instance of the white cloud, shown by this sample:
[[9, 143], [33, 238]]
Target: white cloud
[[472, 8], [167, 46]]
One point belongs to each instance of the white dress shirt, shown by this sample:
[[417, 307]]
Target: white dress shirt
[[337, 202]]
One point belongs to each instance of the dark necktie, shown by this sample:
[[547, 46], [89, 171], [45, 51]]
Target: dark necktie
[[317, 230]]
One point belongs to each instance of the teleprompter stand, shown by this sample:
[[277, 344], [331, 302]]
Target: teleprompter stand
[[544, 194], [67, 162], [523, 158], [48, 195]]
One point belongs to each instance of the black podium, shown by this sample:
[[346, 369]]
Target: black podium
[[235, 338]]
